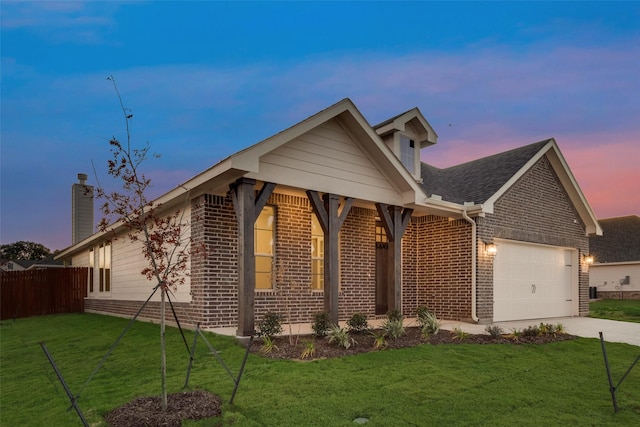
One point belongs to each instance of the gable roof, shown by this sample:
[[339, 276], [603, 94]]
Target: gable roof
[[484, 181], [620, 240], [415, 120], [250, 162], [478, 180]]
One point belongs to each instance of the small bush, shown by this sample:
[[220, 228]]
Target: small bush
[[394, 314], [379, 340], [531, 331], [393, 328], [358, 323], [270, 325], [267, 345], [560, 328], [321, 324], [340, 336], [515, 334], [309, 350], [494, 330], [547, 329], [460, 334], [428, 322]]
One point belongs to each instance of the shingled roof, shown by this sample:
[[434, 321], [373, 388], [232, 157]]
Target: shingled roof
[[478, 180], [620, 240]]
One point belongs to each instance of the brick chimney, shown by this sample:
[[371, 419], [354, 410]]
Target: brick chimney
[[81, 209]]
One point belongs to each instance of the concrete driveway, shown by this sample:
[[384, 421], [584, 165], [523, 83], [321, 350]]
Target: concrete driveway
[[612, 330]]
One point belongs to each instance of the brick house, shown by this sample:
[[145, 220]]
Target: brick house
[[335, 215]]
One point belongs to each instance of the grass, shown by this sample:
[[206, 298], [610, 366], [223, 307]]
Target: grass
[[563, 383], [625, 310]]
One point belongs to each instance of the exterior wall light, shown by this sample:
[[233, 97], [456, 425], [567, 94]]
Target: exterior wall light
[[588, 259], [491, 249]]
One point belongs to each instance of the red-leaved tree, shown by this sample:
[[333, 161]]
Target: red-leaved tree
[[163, 236]]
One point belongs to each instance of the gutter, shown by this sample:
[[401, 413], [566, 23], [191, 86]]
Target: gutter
[[474, 253]]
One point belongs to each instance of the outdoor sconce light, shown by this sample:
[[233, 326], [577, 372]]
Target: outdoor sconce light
[[588, 259], [491, 249]]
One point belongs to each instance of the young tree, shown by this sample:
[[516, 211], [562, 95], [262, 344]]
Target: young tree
[[24, 250], [162, 235]]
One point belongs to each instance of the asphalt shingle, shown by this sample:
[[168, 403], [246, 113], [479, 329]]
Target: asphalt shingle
[[620, 240], [477, 180]]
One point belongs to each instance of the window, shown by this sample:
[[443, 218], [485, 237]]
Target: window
[[92, 262], [317, 254], [381, 234], [105, 267], [407, 153], [264, 239]]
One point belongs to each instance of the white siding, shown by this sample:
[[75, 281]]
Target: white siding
[[127, 282], [606, 277], [327, 159]]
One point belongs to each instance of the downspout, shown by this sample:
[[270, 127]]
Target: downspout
[[474, 252]]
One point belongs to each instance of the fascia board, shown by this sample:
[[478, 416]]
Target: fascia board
[[592, 226], [614, 264], [399, 125], [557, 161], [167, 201], [256, 151], [384, 159]]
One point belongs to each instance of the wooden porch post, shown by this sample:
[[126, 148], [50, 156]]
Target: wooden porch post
[[331, 221], [247, 209], [395, 220]]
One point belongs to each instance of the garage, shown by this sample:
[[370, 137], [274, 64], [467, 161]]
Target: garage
[[534, 281]]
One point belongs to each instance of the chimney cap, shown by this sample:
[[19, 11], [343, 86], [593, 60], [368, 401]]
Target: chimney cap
[[82, 177]]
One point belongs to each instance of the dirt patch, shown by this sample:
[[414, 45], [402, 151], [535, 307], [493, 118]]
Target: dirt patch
[[147, 411], [284, 349]]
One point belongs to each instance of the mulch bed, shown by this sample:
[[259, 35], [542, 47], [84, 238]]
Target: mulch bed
[[365, 343], [147, 411]]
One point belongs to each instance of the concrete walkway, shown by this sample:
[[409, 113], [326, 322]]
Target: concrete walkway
[[587, 327]]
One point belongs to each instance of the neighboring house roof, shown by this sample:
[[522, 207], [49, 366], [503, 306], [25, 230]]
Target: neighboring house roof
[[620, 241], [31, 264]]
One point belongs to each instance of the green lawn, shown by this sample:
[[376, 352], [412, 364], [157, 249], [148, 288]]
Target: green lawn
[[625, 310], [562, 383]]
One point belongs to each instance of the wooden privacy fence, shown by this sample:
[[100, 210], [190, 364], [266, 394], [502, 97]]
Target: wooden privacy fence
[[39, 292]]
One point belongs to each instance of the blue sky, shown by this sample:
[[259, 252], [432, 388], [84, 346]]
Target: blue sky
[[206, 79]]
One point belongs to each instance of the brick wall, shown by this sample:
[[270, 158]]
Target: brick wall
[[214, 276], [128, 309], [536, 209], [443, 273]]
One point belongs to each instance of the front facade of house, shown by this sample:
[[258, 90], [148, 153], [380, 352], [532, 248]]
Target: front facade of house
[[335, 215]]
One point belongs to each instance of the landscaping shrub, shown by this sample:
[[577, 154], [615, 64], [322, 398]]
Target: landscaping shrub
[[358, 323], [340, 336], [270, 325], [394, 314], [321, 324], [428, 322], [494, 330]]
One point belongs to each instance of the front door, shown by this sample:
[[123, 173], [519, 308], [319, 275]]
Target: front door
[[382, 270]]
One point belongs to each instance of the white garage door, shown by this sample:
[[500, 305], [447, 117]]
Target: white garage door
[[532, 281]]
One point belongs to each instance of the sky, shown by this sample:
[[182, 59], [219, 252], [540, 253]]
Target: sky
[[206, 79]]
